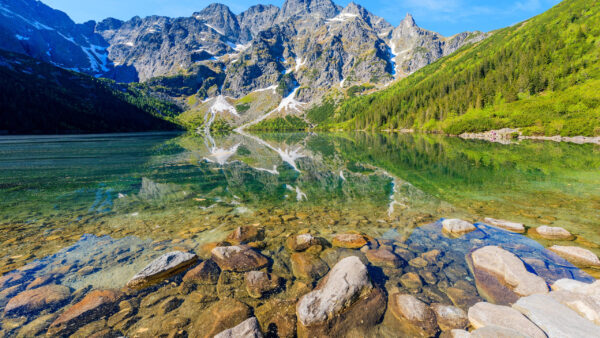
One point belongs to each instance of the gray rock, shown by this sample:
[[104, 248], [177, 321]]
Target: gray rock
[[161, 268], [587, 306], [457, 227], [506, 225], [247, 329], [487, 314], [497, 332], [555, 319], [576, 255], [552, 232]]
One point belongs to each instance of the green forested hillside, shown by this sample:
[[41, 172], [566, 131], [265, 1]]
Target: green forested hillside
[[38, 98], [542, 76]]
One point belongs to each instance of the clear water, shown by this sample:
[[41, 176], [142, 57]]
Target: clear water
[[115, 202]]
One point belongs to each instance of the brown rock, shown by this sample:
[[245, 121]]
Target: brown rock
[[307, 266], [42, 280], [432, 256], [36, 327], [418, 262], [240, 258], [383, 258], [461, 298], [411, 316], [221, 316], [411, 281], [161, 268], [94, 305], [277, 318], [206, 273], [10, 279], [259, 283], [349, 241], [487, 314], [34, 300], [301, 242], [246, 234], [450, 317]]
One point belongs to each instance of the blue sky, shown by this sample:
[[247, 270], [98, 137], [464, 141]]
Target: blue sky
[[445, 16]]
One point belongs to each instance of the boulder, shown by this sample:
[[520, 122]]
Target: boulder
[[461, 298], [259, 283], [411, 316], [418, 262], [487, 314], [277, 318], [94, 305], [383, 258], [555, 319], [349, 241], [576, 255], [308, 266], [457, 227], [344, 300], [587, 306], [301, 242], [161, 268], [222, 315], [497, 332], [506, 225], [411, 281], [206, 273], [501, 277], [455, 334], [554, 233], [35, 300], [577, 287], [450, 317], [246, 234], [239, 258], [246, 329]]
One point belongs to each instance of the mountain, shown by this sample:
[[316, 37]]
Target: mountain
[[39, 98], [541, 76]]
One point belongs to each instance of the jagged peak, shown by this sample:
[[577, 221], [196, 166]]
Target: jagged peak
[[408, 21], [326, 8], [216, 6]]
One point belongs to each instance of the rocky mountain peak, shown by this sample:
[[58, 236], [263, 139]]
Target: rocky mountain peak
[[320, 8], [220, 18], [408, 21]]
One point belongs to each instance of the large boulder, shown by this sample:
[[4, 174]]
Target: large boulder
[[411, 316], [487, 314], [94, 305], [506, 225], [246, 329], [36, 300], [239, 258], [344, 300], [576, 255], [457, 227], [554, 233], [587, 306], [501, 277], [206, 273], [572, 285], [555, 319], [161, 268]]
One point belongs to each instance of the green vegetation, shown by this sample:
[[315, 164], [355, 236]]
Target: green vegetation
[[39, 98], [354, 90], [320, 113], [288, 123], [541, 76], [242, 108]]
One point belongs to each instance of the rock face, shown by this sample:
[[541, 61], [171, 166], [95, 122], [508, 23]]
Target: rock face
[[247, 329], [345, 299], [412, 315], [576, 255], [206, 272], [506, 225], [161, 268], [556, 233], [555, 319], [501, 277], [487, 314], [238, 258], [96, 304], [35, 300], [457, 227], [450, 317]]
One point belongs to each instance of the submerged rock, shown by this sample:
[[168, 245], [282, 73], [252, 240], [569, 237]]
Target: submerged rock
[[308, 266], [457, 227], [246, 234], [206, 273], [239, 258], [247, 329], [450, 317], [344, 300], [487, 314], [161, 268], [94, 305], [259, 283], [576, 255], [384, 258], [221, 316], [35, 300], [555, 319], [501, 277], [411, 316], [301, 242], [349, 241], [506, 225], [556, 233], [277, 318]]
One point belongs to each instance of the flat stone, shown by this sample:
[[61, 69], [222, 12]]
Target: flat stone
[[206, 273], [301, 242], [506, 225], [349, 241], [577, 287], [93, 306], [343, 301], [308, 266], [457, 227], [35, 300], [411, 280], [245, 234], [501, 277], [576, 255], [587, 306], [462, 298], [555, 233], [161, 268], [450, 317], [259, 283], [432, 256], [383, 258], [455, 334], [418, 262], [412, 315], [222, 315], [246, 329], [36, 327], [497, 332], [240, 258], [40, 281], [555, 319], [487, 314]]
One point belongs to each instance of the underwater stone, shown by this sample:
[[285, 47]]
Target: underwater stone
[[506, 225], [240, 258], [247, 329], [457, 227], [163, 267], [576, 255]]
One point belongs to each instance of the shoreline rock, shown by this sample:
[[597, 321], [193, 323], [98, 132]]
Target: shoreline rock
[[161, 268], [506, 225], [552, 233], [457, 227], [577, 256]]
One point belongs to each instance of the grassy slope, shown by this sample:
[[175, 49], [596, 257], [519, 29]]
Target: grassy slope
[[542, 76], [38, 98]]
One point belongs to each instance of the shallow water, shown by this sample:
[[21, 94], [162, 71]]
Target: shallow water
[[93, 210]]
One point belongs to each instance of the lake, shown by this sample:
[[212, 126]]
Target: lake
[[88, 212]]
